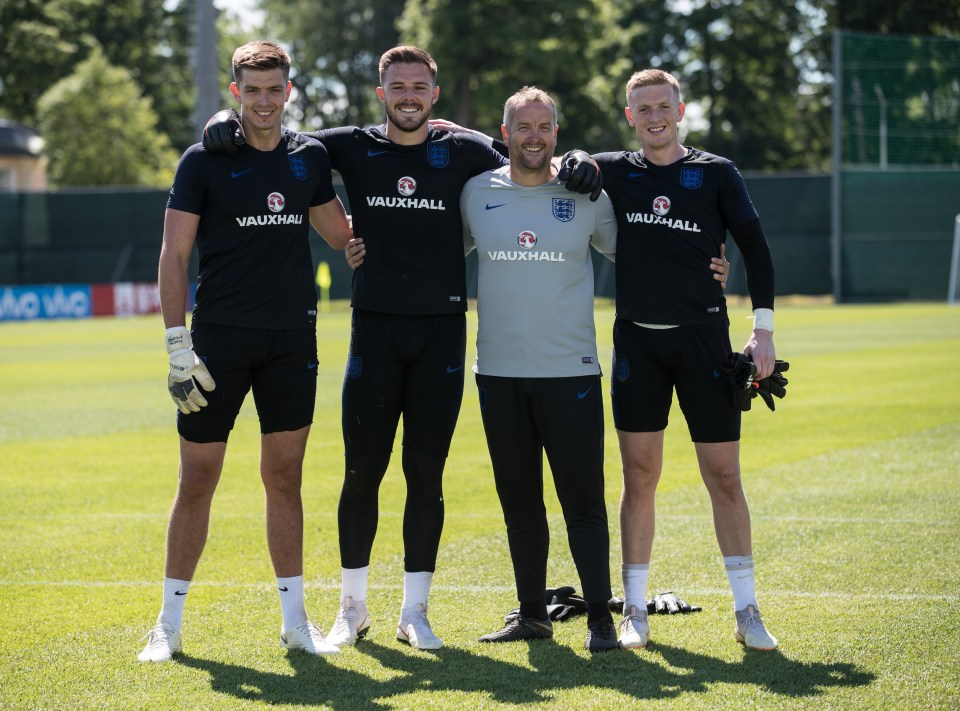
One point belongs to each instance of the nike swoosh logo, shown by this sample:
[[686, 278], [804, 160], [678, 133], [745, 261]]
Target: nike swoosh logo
[[586, 392], [284, 589], [371, 153], [452, 369], [494, 207], [313, 364], [237, 173], [636, 173], [178, 592]]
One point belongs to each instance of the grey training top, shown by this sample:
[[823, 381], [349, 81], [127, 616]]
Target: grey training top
[[535, 293]]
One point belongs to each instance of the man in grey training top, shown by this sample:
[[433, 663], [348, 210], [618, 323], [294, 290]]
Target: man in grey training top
[[537, 371]]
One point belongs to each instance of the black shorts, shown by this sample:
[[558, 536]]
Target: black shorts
[[648, 363], [403, 364], [279, 365]]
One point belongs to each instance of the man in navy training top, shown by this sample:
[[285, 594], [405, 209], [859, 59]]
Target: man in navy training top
[[674, 205], [253, 327]]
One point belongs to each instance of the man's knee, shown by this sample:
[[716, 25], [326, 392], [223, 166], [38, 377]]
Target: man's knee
[[424, 475], [363, 473]]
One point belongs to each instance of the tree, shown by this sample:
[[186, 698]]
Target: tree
[[44, 42], [488, 49], [335, 47], [749, 69], [99, 130], [923, 17]]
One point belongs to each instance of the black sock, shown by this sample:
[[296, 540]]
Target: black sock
[[536, 610], [597, 611]]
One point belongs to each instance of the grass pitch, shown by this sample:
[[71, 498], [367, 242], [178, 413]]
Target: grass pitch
[[853, 485]]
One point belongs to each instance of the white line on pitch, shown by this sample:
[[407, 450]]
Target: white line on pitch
[[821, 594]]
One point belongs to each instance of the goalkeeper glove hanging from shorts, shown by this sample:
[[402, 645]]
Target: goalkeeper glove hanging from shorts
[[740, 370], [186, 371]]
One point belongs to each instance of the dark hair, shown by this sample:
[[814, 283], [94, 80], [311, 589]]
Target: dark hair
[[260, 56], [407, 54]]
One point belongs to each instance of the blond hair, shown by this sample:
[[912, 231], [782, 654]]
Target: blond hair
[[652, 77]]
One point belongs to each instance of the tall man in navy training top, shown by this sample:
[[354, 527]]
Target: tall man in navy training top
[[253, 326], [674, 205], [408, 338]]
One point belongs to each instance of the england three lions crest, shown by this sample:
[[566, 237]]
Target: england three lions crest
[[691, 178], [564, 209], [438, 154], [298, 166]]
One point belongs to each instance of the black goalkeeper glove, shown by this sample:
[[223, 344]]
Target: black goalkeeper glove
[[580, 174], [562, 604], [669, 603], [223, 133], [741, 371], [774, 385]]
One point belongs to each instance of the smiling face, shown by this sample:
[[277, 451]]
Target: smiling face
[[408, 93], [532, 138], [262, 96], [654, 112]]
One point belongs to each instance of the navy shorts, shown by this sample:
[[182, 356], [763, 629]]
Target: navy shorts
[[648, 363], [409, 365], [280, 366]]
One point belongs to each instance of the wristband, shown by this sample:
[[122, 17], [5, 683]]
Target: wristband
[[178, 338], [763, 319]]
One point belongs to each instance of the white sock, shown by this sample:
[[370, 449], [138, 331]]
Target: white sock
[[740, 573], [174, 596], [291, 602], [635, 577], [354, 583], [416, 588]]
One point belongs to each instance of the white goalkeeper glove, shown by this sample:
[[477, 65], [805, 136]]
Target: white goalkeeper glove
[[185, 366]]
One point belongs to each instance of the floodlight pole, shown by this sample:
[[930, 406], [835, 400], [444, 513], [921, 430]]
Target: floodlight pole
[[836, 271], [954, 267], [205, 63]]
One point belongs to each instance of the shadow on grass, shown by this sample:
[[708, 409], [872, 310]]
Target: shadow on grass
[[555, 668]]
